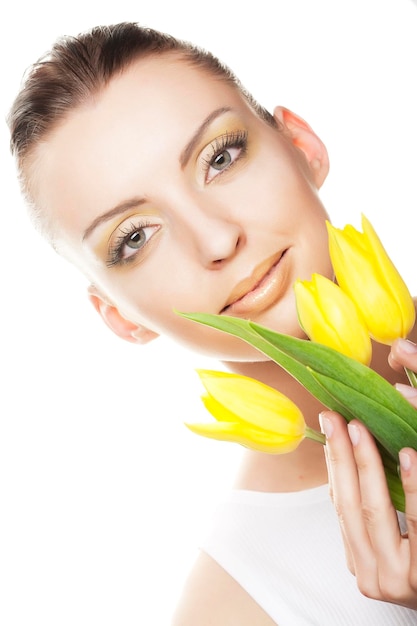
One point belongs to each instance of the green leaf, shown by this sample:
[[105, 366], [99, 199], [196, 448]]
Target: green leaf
[[387, 427], [393, 480], [244, 330], [329, 362], [299, 356]]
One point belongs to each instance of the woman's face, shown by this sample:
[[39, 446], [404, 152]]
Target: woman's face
[[172, 194]]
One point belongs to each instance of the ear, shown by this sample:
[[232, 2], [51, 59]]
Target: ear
[[304, 138], [122, 327]]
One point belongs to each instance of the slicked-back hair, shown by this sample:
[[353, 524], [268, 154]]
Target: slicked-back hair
[[77, 68]]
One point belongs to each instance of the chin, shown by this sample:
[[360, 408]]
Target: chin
[[222, 346], [235, 350]]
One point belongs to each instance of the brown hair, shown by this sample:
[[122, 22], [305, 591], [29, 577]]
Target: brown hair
[[77, 68]]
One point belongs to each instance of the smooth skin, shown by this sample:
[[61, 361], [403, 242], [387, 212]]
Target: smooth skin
[[124, 163], [164, 209], [383, 559]]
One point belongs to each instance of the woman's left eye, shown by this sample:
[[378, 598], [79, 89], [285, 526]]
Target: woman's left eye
[[224, 152]]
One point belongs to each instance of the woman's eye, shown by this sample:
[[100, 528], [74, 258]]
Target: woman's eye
[[129, 241], [224, 152], [136, 240], [224, 159]]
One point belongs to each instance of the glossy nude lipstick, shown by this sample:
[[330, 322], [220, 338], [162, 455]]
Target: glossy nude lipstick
[[263, 288]]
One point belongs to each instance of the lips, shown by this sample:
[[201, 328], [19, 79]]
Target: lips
[[261, 289]]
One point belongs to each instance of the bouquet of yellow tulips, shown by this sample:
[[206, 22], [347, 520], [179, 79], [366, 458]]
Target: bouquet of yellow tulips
[[370, 300]]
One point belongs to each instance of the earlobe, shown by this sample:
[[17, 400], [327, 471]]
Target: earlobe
[[122, 327], [304, 138]]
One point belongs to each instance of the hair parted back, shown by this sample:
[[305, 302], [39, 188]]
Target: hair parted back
[[77, 68]]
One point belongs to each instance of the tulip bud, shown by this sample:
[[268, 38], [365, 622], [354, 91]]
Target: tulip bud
[[252, 414], [328, 316], [365, 272]]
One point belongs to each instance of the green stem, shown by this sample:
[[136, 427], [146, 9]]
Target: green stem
[[412, 377], [310, 433]]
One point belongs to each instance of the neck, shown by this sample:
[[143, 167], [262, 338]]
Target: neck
[[304, 468]]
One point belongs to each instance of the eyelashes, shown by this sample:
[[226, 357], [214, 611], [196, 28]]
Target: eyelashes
[[129, 241], [223, 152]]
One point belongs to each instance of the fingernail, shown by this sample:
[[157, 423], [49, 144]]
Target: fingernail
[[407, 346], [406, 390], [354, 434], [326, 425], [405, 461]]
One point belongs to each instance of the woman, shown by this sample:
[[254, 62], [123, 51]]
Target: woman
[[147, 165]]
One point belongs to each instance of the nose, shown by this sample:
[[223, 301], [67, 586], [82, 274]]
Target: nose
[[219, 242], [215, 239]]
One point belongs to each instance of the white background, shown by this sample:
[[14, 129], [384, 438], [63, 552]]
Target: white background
[[104, 494]]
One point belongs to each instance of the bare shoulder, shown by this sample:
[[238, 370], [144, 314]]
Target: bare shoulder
[[213, 598]]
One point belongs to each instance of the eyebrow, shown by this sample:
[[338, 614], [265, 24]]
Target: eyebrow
[[117, 210], [186, 153], [184, 158]]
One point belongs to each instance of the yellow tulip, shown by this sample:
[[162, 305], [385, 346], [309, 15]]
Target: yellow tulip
[[366, 273], [328, 316], [251, 414]]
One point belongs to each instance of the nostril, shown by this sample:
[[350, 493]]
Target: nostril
[[220, 246]]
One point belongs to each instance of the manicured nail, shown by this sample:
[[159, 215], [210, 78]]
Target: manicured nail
[[406, 390], [326, 425], [405, 461], [354, 434], [407, 346]]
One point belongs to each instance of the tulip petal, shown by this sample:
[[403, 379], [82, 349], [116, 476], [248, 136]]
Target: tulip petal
[[253, 402], [220, 412], [330, 317], [392, 279], [252, 438], [366, 273]]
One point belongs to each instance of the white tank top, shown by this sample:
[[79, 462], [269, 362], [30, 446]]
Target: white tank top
[[286, 551]]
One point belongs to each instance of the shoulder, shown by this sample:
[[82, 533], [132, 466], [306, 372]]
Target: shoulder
[[213, 598]]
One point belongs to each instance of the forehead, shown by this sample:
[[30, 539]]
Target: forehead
[[146, 112], [149, 92]]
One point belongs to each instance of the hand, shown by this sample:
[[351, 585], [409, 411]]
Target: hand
[[404, 354], [383, 560]]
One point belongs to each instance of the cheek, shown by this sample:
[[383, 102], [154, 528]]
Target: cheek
[[152, 297], [277, 180]]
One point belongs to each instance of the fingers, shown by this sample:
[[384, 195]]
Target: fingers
[[347, 498], [408, 466], [367, 518], [383, 561], [409, 393], [378, 512], [342, 473], [403, 354]]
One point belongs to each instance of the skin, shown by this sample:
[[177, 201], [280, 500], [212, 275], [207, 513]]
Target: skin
[[210, 230], [383, 559], [229, 236]]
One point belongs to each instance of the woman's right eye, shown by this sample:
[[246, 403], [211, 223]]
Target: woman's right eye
[[128, 241]]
